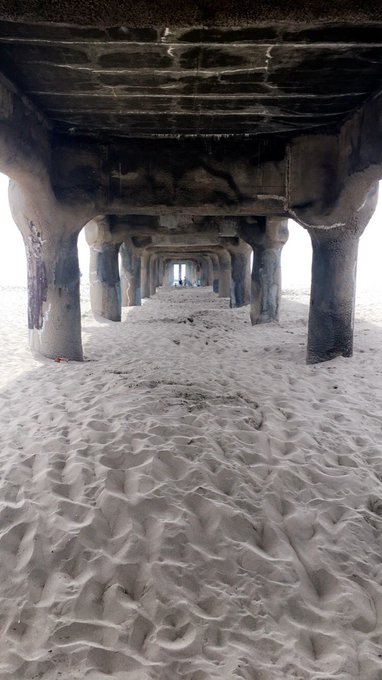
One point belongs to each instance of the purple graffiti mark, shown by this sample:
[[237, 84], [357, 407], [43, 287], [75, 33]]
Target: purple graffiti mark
[[37, 278]]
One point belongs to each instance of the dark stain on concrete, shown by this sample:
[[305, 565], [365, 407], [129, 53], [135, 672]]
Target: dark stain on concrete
[[155, 58], [107, 269], [66, 274], [211, 58], [37, 278]]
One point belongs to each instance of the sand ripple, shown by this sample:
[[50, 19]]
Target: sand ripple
[[193, 502]]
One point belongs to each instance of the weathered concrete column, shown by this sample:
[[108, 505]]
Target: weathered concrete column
[[215, 273], [54, 312], [190, 270], [240, 271], [224, 274], [50, 238], [160, 271], [153, 274], [145, 275], [105, 287], [210, 271], [168, 272], [332, 297], [198, 273], [130, 276], [201, 271], [241, 279], [267, 237]]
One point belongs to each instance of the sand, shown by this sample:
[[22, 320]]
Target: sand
[[192, 501]]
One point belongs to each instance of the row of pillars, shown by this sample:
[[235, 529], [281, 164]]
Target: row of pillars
[[53, 279], [227, 268], [113, 287]]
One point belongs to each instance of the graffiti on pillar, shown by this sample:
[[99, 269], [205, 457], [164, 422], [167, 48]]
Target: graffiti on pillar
[[37, 278]]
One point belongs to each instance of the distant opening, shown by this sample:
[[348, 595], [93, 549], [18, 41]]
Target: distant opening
[[179, 273]]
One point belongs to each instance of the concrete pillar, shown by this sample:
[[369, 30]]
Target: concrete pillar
[[241, 279], [200, 272], [105, 286], [145, 275], [193, 273], [210, 271], [153, 265], [130, 276], [205, 270], [169, 276], [267, 238], [190, 271], [54, 312], [50, 239], [160, 271], [332, 298], [240, 272], [215, 273], [224, 274]]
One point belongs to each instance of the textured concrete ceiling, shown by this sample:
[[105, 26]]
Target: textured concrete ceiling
[[265, 78], [188, 12]]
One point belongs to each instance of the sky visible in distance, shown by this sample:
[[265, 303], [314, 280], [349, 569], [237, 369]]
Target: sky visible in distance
[[296, 257]]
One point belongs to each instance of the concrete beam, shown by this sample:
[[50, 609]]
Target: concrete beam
[[24, 138], [165, 13], [177, 224], [330, 176], [160, 176], [318, 179]]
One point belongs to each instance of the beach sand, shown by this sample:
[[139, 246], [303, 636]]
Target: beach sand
[[193, 501]]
